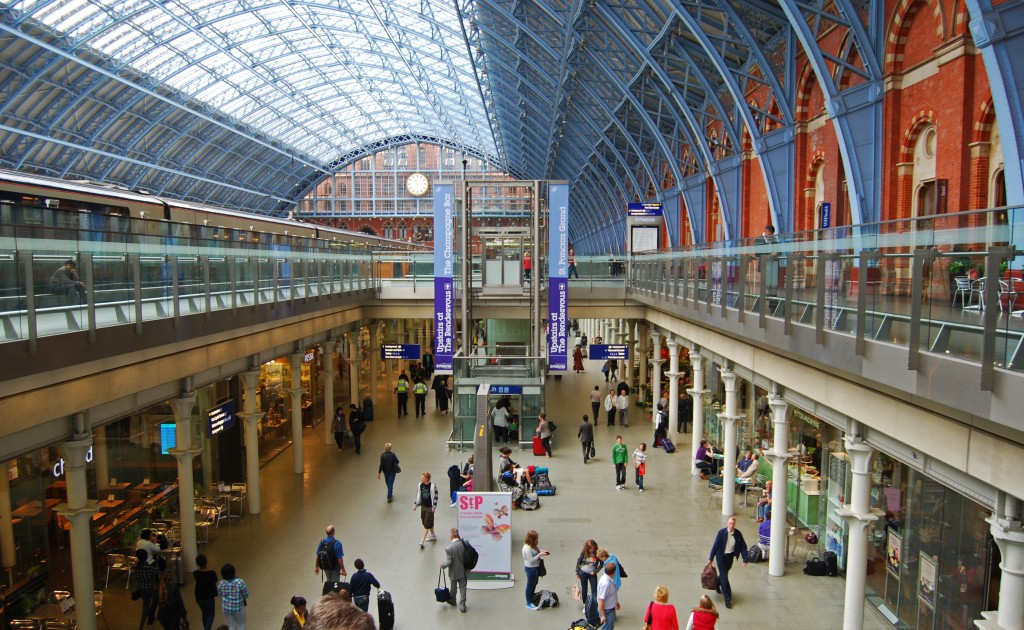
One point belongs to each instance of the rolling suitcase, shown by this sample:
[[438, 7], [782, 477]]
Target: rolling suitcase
[[538, 446], [385, 611], [668, 445], [367, 410]]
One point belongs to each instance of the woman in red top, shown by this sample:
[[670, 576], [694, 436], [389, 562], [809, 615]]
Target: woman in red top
[[704, 616], [661, 614]]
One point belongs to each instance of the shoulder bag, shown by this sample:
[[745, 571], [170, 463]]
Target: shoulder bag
[[647, 617], [442, 594]]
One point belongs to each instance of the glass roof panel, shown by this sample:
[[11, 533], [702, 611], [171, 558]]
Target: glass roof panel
[[325, 79]]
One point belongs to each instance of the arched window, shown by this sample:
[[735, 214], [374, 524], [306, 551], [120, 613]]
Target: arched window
[[924, 185]]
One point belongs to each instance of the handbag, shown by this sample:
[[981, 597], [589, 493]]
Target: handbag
[[709, 577], [647, 617], [577, 590], [642, 468], [593, 450], [442, 594], [542, 570], [398, 469]]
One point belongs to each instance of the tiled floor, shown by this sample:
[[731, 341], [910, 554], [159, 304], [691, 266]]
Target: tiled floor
[[662, 536]]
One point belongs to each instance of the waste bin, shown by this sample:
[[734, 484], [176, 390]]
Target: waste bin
[[177, 563]]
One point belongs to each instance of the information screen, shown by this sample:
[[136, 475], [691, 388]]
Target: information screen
[[220, 418], [168, 437], [643, 238], [400, 351]]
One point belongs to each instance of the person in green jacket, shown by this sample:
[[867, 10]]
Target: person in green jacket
[[619, 456]]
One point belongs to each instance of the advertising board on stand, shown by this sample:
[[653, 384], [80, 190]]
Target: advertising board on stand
[[485, 521]]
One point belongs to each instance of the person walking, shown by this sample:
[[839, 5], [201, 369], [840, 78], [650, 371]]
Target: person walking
[[455, 562], [499, 418], [358, 426], [572, 265], [206, 591], [544, 430], [532, 556], [640, 465], [527, 266], [609, 407], [338, 427], [728, 545], [419, 390], [402, 393], [146, 576], [618, 573], [660, 425], [607, 597], [613, 369], [171, 611], [296, 617], [586, 436], [233, 595], [330, 557], [426, 501], [389, 468], [704, 616], [577, 359], [622, 404], [595, 403], [619, 456], [587, 568], [660, 614], [361, 582]]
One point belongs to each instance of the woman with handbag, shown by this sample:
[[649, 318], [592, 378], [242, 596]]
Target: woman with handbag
[[587, 568], [704, 616], [640, 464], [532, 556], [660, 614]]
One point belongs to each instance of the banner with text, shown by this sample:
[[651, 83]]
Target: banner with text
[[558, 277], [444, 272], [485, 521]]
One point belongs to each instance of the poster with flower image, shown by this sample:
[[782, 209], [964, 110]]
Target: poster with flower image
[[485, 521]]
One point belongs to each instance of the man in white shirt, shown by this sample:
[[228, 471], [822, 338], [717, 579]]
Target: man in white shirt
[[622, 403], [147, 541], [607, 597], [609, 406]]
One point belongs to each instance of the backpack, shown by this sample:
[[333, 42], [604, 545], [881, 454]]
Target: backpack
[[470, 556], [552, 426], [755, 554], [453, 471], [325, 558]]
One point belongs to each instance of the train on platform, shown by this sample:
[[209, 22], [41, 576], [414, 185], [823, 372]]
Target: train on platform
[[105, 210]]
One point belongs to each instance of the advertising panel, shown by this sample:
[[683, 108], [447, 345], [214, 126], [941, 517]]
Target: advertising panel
[[558, 277], [485, 521], [444, 273]]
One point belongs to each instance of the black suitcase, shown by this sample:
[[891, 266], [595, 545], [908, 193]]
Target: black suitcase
[[367, 410], [831, 564], [335, 587], [385, 611]]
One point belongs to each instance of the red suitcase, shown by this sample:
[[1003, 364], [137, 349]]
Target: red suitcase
[[538, 446]]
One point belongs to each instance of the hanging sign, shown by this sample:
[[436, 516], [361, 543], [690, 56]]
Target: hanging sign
[[558, 277], [400, 351], [444, 272]]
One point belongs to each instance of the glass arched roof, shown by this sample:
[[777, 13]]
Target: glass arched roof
[[322, 78], [250, 103]]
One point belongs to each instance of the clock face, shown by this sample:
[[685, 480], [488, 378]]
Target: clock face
[[417, 184]]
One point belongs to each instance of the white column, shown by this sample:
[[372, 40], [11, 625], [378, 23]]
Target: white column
[[673, 385], [1009, 536], [184, 453], [728, 419], [251, 417], [859, 514], [644, 351], [697, 392], [779, 456], [329, 372], [296, 390], [79, 510], [656, 366], [353, 373]]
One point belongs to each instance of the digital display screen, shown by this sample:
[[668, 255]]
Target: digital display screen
[[168, 437], [220, 418]]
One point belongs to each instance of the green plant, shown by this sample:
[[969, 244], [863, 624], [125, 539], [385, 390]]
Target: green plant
[[958, 266]]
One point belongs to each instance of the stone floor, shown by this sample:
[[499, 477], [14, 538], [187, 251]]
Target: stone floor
[[662, 536]]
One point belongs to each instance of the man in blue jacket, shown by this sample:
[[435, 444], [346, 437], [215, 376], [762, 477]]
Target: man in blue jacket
[[729, 544]]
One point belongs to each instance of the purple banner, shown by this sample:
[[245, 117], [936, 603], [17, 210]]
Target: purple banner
[[444, 286], [558, 324]]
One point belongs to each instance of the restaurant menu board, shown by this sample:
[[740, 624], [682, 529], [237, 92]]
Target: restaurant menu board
[[926, 582], [894, 553], [220, 418]]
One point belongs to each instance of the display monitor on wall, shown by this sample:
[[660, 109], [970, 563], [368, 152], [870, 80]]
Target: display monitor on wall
[[168, 436], [220, 418], [643, 238]]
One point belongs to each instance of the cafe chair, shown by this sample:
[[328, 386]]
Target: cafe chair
[[963, 290], [24, 624], [97, 598], [58, 624], [238, 493], [119, 562], [207, 518]]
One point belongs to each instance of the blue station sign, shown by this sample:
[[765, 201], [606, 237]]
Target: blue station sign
[[400, 351], [604, 351]]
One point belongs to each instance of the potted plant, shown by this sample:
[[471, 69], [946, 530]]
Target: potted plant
[[958, 266]]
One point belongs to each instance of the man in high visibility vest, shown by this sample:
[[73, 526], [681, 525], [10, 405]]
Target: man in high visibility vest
[[572, 264], [420, 391], [402, 389]]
